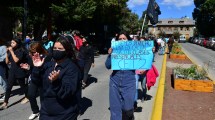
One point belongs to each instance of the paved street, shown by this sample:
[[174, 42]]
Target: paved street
[[201, 56], [95, 97]]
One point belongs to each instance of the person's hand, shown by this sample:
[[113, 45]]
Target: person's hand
[[10, 48], [25, 66], [37, 61], [54, 75], [142, 72], [93, 65], [153, 49], [110, 50]]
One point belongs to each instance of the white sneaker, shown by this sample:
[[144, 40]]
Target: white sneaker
[[32, 116]]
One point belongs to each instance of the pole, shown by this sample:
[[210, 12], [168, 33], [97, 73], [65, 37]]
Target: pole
[[141, 33], [24, 24]]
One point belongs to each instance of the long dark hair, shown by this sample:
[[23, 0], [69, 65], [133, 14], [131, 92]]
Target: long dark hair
[[19, 44], [67, 45]]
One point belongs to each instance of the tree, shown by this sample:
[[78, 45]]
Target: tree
[[88, 16], [204, 14], [161, 34], [10, 11], [176, 35]]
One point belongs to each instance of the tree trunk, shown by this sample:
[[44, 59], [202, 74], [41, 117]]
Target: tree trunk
[[6, 27]]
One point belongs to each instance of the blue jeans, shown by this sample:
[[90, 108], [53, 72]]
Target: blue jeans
[[121, 97], [161, 50], [3, 84], [137, 77]]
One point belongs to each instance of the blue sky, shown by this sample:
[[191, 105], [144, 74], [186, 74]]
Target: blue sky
[[169, 8]]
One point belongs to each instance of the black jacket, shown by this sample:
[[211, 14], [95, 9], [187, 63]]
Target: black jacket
[[86, 53], [60, 97]]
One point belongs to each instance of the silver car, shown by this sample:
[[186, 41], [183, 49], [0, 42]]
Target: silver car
[[211, 42]]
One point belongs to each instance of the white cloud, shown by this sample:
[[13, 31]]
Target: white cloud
[[134, 3], [178, 3]]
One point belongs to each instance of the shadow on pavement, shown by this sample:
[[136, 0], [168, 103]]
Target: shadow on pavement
[[85, 104], [90, 80]]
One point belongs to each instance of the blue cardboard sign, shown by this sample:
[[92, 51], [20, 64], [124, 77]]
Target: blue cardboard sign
[[131, 55]]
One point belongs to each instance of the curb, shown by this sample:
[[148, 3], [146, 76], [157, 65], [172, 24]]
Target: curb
[[158, 103]]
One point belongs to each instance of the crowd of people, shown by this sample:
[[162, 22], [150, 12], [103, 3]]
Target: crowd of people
[[58, 70]]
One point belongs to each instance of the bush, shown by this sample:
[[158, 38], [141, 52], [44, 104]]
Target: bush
[[191, 73]]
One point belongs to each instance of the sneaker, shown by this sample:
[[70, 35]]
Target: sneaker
[[25, 100], [3, 106], [2, 98], [33, 116]]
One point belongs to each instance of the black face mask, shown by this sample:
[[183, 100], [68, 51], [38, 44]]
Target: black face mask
[[58, 55]]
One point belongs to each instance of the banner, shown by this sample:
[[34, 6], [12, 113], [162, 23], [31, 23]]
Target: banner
[[131, 55]]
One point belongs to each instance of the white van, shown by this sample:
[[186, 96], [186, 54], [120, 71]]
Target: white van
[[182, 38]]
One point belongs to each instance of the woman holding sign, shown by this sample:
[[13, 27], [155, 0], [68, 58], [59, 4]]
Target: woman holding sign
[[122, 89]]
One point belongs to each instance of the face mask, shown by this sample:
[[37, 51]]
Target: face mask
[[58, 55]]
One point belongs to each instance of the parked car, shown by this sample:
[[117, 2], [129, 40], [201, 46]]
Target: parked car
[[213, 47], [211, 42], [182, 38], [195, 40], [190, 40], [204, 42], [200, 40]]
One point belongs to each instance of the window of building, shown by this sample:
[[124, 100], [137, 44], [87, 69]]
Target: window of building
[[170, 22], [175, 28], [181, 21], [158, 28], [187, 28], [159, 21], [181, 28]]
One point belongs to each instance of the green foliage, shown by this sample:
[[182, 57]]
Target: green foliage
[[130, 23], [176, 49], [85, 15], [74, 10], [191, 73], [161, 34], [204, 14], [176, 34]]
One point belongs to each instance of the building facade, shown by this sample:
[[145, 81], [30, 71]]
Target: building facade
[[184, 26]]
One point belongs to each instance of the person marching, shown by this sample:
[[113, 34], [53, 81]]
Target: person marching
[[122, 88], [86, 55], [35, 47], [61, 82], [15, 56]]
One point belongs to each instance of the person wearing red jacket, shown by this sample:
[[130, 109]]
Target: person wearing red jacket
[[78, 40]]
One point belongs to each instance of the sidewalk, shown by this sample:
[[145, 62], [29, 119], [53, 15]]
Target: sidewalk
[[147, 106]]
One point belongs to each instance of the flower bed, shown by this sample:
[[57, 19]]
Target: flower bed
[[192, 79], [177, 52]]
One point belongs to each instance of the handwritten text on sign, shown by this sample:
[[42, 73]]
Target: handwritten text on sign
[[131, 55]]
